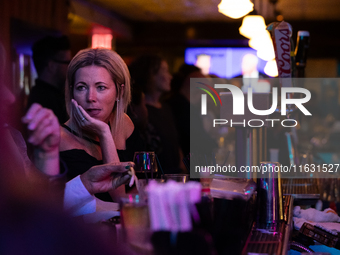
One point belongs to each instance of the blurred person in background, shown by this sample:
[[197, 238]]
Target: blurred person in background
[[97, 94], [251, 76], [179, 100], [138, 112], [203, 62], [137, 109], [150, 73], [51, 56]]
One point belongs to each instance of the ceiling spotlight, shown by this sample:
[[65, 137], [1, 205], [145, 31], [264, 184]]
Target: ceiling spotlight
[[235, 8], [252, 25]]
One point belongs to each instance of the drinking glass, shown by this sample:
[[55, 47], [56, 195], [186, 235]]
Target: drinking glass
[[269, 197], [136, 223], [184, 178], [145, 164]]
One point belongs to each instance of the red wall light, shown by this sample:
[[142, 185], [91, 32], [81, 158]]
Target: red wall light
[[102, 41]]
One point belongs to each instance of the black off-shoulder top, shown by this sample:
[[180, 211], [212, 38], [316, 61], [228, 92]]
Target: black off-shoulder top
[[78, 161]]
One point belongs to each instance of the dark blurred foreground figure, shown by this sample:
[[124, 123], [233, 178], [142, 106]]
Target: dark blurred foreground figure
[[51, 56], [31, 220], [150, 73]]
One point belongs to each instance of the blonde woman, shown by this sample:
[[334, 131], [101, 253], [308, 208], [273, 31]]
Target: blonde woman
[[97, 94]]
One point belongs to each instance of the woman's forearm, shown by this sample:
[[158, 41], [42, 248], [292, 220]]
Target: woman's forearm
[[108, 147]]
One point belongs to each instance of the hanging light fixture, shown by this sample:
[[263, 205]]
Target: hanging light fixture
[[252, 25], [235, 8], [271, 68], [263, 38], [266, 52], [264, 46]]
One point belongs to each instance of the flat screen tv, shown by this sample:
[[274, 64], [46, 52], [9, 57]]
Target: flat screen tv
[[223, 62]]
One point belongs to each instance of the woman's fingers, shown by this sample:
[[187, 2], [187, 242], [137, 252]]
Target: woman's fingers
[[87, 123], [119, 167], [47, 135], [102, 172], [31, 113], [35, 115], [39, 131], [120, 180], [80, 115], [128, 165], [83, 113], [75, 112], [38, 117], [43, 127]]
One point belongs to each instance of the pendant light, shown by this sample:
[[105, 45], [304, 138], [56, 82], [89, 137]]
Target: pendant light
[[235, 9]]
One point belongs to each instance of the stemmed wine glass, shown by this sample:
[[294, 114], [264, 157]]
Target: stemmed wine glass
[[145, 164]]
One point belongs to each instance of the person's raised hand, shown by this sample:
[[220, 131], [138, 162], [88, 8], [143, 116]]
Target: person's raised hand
[[44, 134], [104, 178], [43, 128]]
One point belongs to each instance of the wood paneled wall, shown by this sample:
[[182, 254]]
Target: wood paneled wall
[[50, 14]]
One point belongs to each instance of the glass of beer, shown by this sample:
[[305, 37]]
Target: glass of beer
[[136, 223]]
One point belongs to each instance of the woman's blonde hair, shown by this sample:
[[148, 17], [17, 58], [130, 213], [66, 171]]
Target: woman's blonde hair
[[119, 72]]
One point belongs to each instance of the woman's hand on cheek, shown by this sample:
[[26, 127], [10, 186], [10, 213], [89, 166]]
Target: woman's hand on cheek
[[86, 122]]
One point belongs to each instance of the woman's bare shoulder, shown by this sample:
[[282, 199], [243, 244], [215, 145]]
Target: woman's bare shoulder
[[67, 140], [127, 125]]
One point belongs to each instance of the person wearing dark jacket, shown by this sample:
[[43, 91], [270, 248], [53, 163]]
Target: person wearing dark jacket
[[51, 56]]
